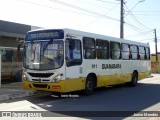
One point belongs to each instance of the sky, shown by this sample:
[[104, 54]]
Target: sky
[[141, 17]]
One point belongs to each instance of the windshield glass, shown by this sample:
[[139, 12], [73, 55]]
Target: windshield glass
[[43, 55]]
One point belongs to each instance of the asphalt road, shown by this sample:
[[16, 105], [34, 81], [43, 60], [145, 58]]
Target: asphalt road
[[118, 102]]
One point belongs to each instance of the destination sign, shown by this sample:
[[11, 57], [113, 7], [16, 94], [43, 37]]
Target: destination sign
[[45, 34]]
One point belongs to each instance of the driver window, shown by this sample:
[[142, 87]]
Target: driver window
[[73, 52]]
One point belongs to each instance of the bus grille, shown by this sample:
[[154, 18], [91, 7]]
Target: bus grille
[[38, 80], [40, 85], [40, 74]]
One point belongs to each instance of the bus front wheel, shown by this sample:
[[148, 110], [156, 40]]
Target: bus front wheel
[[89, 85]]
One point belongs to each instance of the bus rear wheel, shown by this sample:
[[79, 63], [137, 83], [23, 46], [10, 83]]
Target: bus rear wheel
[[134, 79], [89, 85]]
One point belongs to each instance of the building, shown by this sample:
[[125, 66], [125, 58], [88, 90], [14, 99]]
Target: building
[[11, 61], [11, 33], [153, 63]]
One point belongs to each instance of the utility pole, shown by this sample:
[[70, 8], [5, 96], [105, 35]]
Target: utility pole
[[156, 50], [122, 20], [122, 17], [0, 66]]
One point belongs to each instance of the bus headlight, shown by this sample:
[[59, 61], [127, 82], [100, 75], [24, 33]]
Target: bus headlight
[[24, 77], [57, 78]]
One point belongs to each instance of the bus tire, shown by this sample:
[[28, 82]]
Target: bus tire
[[89, 85], [134, 79]]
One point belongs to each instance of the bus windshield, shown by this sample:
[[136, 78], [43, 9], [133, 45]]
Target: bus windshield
[[43, 55]]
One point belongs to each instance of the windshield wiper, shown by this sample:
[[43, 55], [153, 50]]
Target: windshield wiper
[[50, 42]]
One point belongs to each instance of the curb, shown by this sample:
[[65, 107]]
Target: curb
[[18, 95]]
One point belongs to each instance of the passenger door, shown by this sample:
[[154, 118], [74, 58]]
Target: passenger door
[[74, 70]]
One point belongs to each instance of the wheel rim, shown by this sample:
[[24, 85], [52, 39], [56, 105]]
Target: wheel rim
[[89, 85]]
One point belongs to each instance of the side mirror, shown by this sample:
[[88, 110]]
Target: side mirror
[[66, 58]]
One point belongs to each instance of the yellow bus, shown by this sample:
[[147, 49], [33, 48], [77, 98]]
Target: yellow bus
[[65, 60]]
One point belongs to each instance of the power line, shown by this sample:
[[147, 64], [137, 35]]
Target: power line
[[91, 12], [140, 34], [133, 26], [88, 3], [84, 10], [136, 36], [107, 1], [75, 12], [149, 14], [145, 40], [145, 11], [134, 6], [81, 9], [100, 17], [95, 14], [136, 19]]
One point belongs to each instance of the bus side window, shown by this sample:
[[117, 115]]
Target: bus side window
[[73, 52], [147, 53], [102, 49], [115, 50], [142, 52], [89, 48], [125, 51], [134, 52]]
